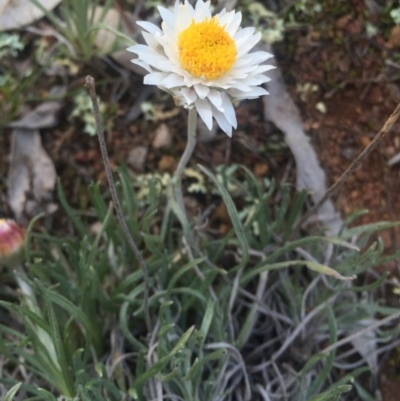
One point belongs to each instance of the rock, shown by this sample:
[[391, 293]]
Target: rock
[[137, 158], [162, 138], [261, 169], [167, 164]]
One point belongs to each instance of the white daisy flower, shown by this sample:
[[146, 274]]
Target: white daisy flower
[[203, 61]]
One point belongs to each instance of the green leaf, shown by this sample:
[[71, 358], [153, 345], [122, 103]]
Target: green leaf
[[198, 363], [323, 374], [207, 319], [313, 239], [313, 360], [192, 370], [169, 376], [233, 214], [68, 387], [369, 228], [294, 212], [123, 318], [27, 245], [156, 368], [368, 287], [12, 392], [70, 212], [333, 394], [182, 271], [320, 268], [328, 271], [46, 394], [364, 395]]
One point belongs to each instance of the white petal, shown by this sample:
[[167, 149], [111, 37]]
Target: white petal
[[225, 18], [178, 98], [151, 41], [153, 60], [243, 61], [199, 5], [253, 58], [189, 94], [259, 57], [176, 7], [201, 90], [150, 59], [131, 49], [223, 122], [172, 81], [142, 64], [170, 42], [139, 49], [257, 80], [230, 78], [242, 35], [263, 68], [250, 43], [202, 11], [234, 25], [254, 93], [215, 98], [204, 109], [242, 86], [189, 7], [155, 78], [221, 14], [188, 80], [167, 16], [229, 111], [149, 27], [184, 17]]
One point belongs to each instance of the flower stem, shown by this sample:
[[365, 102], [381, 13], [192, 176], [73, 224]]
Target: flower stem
[[187, 154]]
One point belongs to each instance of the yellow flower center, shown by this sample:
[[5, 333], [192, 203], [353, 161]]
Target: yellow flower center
[[206, 49]]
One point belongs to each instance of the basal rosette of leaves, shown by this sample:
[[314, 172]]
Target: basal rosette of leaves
[[244, 310]]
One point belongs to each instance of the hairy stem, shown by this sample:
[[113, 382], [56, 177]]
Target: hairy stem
[[187, 154]]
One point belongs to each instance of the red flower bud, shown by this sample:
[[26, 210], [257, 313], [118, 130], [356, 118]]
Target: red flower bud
[[12, 239]]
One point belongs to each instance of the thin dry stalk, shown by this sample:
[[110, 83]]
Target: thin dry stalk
[[90, 85], [353, 166], [362, 332]]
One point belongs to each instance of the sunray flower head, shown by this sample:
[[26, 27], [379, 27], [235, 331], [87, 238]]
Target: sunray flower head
[[203, 61]]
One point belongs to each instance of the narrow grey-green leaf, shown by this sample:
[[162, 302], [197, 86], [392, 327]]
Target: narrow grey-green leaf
[[12, 392]]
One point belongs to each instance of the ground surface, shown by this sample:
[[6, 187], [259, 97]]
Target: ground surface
[[352, 79], [356, 109]]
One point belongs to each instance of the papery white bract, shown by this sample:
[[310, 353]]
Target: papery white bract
[[203, 61]]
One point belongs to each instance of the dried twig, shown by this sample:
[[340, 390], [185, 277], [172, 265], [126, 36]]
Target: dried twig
[[90, 85], [353, 166]]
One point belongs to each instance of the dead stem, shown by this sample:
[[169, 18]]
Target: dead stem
[[359, 333], [353, 166], [90, 85]]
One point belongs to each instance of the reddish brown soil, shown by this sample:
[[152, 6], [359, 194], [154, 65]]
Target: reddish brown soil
[[359, 92]]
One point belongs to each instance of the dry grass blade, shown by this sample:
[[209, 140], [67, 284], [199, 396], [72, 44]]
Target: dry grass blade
[[90, 85]]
